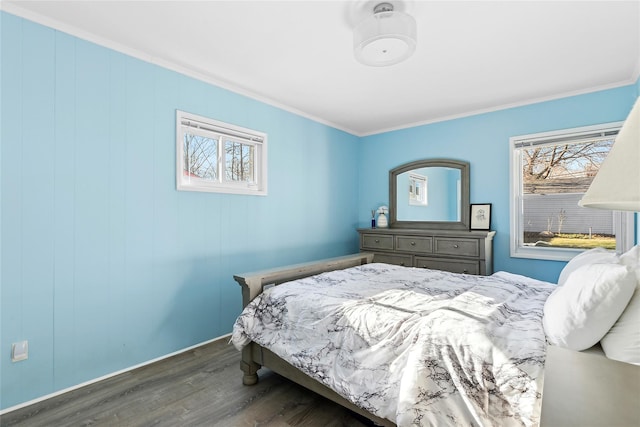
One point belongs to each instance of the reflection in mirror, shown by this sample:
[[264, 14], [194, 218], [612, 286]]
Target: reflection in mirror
[[431, 194], [417, 189]]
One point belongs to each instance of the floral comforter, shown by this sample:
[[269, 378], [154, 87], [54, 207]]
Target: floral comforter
[[415, 346]]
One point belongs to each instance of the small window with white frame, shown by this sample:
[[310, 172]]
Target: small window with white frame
[[218, 157], [550, 172]]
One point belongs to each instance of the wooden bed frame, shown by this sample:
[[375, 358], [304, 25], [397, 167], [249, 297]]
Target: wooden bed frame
[[254, 356], [572, 394]]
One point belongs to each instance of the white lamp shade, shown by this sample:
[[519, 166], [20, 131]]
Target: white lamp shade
[[385, 38], [617, 183]]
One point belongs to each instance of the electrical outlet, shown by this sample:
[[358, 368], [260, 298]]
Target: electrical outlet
[[19, 351]]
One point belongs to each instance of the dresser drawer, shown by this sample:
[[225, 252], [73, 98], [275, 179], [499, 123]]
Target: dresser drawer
[[452, 265], [459, 251], [459, 247], [405, 260], [377, 241], [414, 244]]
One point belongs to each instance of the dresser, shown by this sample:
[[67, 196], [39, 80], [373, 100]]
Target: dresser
[[468, 252]]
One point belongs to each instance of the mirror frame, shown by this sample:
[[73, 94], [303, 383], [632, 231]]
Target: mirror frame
[[463, 224]]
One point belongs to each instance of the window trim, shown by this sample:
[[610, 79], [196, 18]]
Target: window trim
[[222, 132], [623, 221]]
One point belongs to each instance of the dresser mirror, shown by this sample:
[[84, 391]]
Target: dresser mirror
[[430, 194]]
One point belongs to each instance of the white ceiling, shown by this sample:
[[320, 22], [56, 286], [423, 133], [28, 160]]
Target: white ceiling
[[471, 57]]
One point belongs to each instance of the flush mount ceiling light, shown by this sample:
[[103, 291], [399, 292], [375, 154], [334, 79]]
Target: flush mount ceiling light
[[386, 37]]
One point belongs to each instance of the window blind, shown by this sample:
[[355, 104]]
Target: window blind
[[605, 135], [223, 130]]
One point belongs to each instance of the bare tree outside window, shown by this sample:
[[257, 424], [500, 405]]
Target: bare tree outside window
[[562, 215], [200, 157], [561, 168], [554, 177], [239, 160]]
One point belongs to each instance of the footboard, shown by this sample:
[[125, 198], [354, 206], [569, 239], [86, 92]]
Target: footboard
[[253, 283]]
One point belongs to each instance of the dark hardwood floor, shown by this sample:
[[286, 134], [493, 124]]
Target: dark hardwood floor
[[201, 387]]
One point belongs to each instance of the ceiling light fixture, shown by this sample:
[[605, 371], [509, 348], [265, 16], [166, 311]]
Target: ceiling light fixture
[[386, 37]]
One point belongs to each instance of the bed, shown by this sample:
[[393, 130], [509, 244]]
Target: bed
[[400, 346]]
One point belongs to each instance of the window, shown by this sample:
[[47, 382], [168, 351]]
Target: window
[[218, 157], [550, 172], [417, 189]]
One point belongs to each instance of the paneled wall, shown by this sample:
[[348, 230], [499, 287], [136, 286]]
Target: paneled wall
[[104, 264]]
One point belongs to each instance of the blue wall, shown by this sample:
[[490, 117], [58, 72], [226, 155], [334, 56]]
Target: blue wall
[[104, 264], [483, 141]]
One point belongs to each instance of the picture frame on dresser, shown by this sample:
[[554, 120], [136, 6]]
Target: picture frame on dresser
[[480, 215]]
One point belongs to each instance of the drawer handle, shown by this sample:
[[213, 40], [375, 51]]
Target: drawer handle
[[413, 243], [377, 241], [455, 246]]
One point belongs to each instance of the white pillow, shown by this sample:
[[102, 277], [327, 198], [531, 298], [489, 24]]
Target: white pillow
[[592, 256], [579, 313], [631, 257], [622, 342]]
